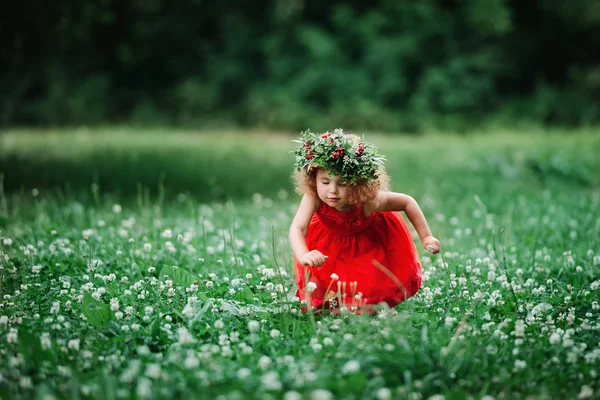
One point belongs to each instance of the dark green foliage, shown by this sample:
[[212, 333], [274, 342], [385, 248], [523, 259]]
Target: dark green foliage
[[385, 64]]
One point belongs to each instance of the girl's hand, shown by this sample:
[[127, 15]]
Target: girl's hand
[[431, 244], [313, 258]]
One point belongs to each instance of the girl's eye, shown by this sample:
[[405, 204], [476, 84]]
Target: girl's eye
[[325, 183]]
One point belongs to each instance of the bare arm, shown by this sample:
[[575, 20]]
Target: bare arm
[[298, 229], [391, 201]]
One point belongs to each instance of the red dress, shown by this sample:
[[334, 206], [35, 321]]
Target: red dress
[[374, 257]]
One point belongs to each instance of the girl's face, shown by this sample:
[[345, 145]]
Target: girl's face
[[332, 191]]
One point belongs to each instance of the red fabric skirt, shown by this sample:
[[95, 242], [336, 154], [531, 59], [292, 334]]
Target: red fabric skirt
[[370, 259]]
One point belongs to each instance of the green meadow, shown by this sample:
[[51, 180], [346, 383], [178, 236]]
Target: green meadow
[[154, 264]]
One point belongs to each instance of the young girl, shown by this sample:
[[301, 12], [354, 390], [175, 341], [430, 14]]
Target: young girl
[[351, 245]]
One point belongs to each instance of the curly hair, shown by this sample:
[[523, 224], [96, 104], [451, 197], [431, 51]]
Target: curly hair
[[360, 193]]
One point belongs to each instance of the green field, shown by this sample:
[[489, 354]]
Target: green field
[[155, 264]]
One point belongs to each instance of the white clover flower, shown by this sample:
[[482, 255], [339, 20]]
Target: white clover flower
[[321, 394], [585, 392], [184, 336], [36, 269], [327, 341], [87, 233], [275, 333], [25, 382], [351, 367], [147, 246], [383, 394], [12, 336], [270, 381], [55, 309], [253, 326], [292, 395], [45, 341], [311, 287], [335, 276], [3, 320], [243, 373], [554, 338], [264, 362], [191, 362], [167, 234], [520, 364], [153, 371], [219, 324], [74, 344], [144, 388]]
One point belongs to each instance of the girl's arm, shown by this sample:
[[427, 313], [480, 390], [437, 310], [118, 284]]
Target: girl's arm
[[391, 201], [298, 229]]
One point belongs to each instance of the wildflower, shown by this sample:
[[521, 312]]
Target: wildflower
[[270, 381], [13, 336], [243, 373], [184, 336], [351, 367], [55, 308], [167, 233], [264, 362], [292, 395], [321, 394], [191, 362], [586, 392], [275, 333], [36, 269], [554, 338], [383, 394], [311, 287], [73, 344], [253, 326], [45, 341], [520, 364], [144, 388], [335, 276], [219, 324], [153, 371]]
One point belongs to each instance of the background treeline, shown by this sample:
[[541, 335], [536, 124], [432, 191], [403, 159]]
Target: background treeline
[[293, 64]]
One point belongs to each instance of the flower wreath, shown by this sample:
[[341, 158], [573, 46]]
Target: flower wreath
[[342, 155]]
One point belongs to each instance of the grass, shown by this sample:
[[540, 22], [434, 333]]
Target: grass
[[91, 306]]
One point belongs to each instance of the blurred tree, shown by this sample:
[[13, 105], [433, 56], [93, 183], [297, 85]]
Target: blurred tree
[[386, 64]]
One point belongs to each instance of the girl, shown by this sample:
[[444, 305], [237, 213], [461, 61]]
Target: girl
[[351, 246]]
